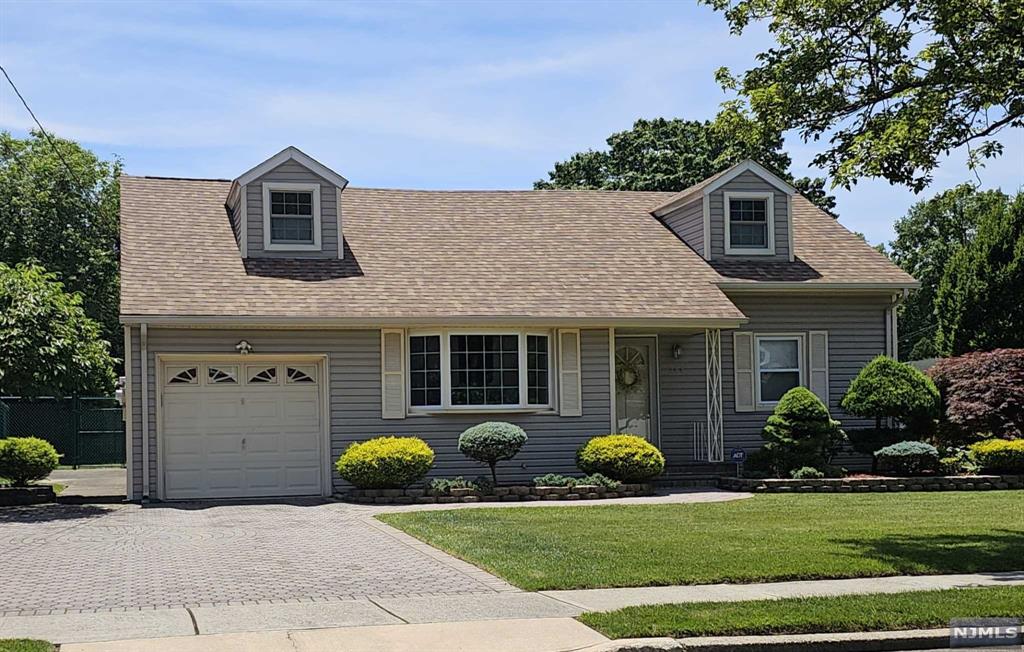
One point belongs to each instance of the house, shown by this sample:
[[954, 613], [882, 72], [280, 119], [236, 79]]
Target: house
[[274, 319]]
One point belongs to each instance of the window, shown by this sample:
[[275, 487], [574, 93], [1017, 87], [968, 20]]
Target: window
[[479, 370], [779, 366], [261, 375], [425, 370], [291, 216], [222, 375], [749, 224], [537, 369]]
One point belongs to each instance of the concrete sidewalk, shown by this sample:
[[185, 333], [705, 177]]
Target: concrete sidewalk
[[357, 614], [611, 599], [545, 635]]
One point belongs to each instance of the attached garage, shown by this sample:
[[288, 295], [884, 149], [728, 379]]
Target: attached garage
[[241, 427]]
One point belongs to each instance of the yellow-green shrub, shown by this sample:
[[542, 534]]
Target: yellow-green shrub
[[385, 462], [999, 455], [627, 458], [26, 459]]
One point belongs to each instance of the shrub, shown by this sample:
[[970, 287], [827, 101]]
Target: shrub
[[492, 442], [385, 462], [444, 486], [26, 459], [999, 455], [885, 388], [554, 480], [806, 473], [982, 393], [599, 480], [623, 457], [908, 458], [799, 433]]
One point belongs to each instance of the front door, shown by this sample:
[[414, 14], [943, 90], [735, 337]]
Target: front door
[[636, 386]]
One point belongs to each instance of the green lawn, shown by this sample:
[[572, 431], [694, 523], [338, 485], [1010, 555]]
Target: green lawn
[[851, 613], [764, 538], [57, 488], [24, 645]]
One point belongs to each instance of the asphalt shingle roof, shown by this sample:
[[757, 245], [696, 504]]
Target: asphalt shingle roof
[[450, 254]]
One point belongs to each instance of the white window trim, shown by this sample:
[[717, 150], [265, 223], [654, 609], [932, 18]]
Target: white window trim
[[446, 380], [271, 186], [769, 198], [800, 339]]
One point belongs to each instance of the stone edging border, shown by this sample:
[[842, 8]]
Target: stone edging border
[[848, 485], [19, 496], [510, 494]]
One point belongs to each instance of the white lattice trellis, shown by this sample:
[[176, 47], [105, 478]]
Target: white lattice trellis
[[713, 364]]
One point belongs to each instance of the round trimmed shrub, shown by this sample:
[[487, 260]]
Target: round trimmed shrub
[[385, 462], [623, 457], [26, 459], [908, 458], [492, 442], [999, 455], [886, 388]]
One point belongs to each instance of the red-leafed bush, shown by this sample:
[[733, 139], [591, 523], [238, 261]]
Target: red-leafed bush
[[982, 394]]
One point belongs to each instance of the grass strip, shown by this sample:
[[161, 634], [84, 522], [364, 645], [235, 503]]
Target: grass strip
[[848, 613]]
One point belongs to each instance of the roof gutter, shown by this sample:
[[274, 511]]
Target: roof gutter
[[805, 286], [306, 323]]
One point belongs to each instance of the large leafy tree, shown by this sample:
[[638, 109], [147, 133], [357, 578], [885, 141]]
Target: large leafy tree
[[892, 84], [60, 209], [927, 237], [979, 304], [47, 343], [672, 154]]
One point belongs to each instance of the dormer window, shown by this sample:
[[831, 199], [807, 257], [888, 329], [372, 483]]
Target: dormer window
[[291, 216], [749, 224]]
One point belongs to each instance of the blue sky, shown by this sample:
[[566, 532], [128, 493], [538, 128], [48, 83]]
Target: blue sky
[[417, 95]]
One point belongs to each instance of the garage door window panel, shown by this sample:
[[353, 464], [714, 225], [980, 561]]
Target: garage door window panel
[[222, 375], [261, 375]]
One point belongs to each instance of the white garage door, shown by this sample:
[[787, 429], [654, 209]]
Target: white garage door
[[241, 430]]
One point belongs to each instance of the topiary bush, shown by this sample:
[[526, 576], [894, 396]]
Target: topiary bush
[[385, 462], [622, 457], [492, 442], [806, 473], [800, 432], [885, 388], [24, 460], [999, 455], [908, 458], [982, 395]]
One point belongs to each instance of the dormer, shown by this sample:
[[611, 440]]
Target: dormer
[[744, 212], [288, 206]]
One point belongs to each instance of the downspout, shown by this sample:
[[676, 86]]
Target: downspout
[[892, 324], [144, 393], [127, 412]]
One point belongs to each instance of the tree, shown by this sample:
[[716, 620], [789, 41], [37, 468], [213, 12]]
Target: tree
[[887, 389], [927, 237], [979, 303], [66, 221], [892, 84], [47, 343], [673, 154]]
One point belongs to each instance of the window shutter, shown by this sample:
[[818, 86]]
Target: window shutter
[[817, 356], [392, 378], [743, 368], [570, 394]]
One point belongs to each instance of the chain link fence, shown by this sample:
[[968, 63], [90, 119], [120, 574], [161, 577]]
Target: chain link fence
[[84, 430]]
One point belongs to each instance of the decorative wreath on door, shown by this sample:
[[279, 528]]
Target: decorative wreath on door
[[630, 370]]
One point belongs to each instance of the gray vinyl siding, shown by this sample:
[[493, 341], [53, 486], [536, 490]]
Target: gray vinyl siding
[[687, 222], [749, 182], [292, 172], [136, 412], [236, 224], [856, 334], [355, 400], [683, 394]]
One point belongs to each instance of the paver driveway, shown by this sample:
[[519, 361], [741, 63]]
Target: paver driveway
[[100, 558]]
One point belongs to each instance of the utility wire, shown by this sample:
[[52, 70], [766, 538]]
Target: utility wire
[[42, 130]]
